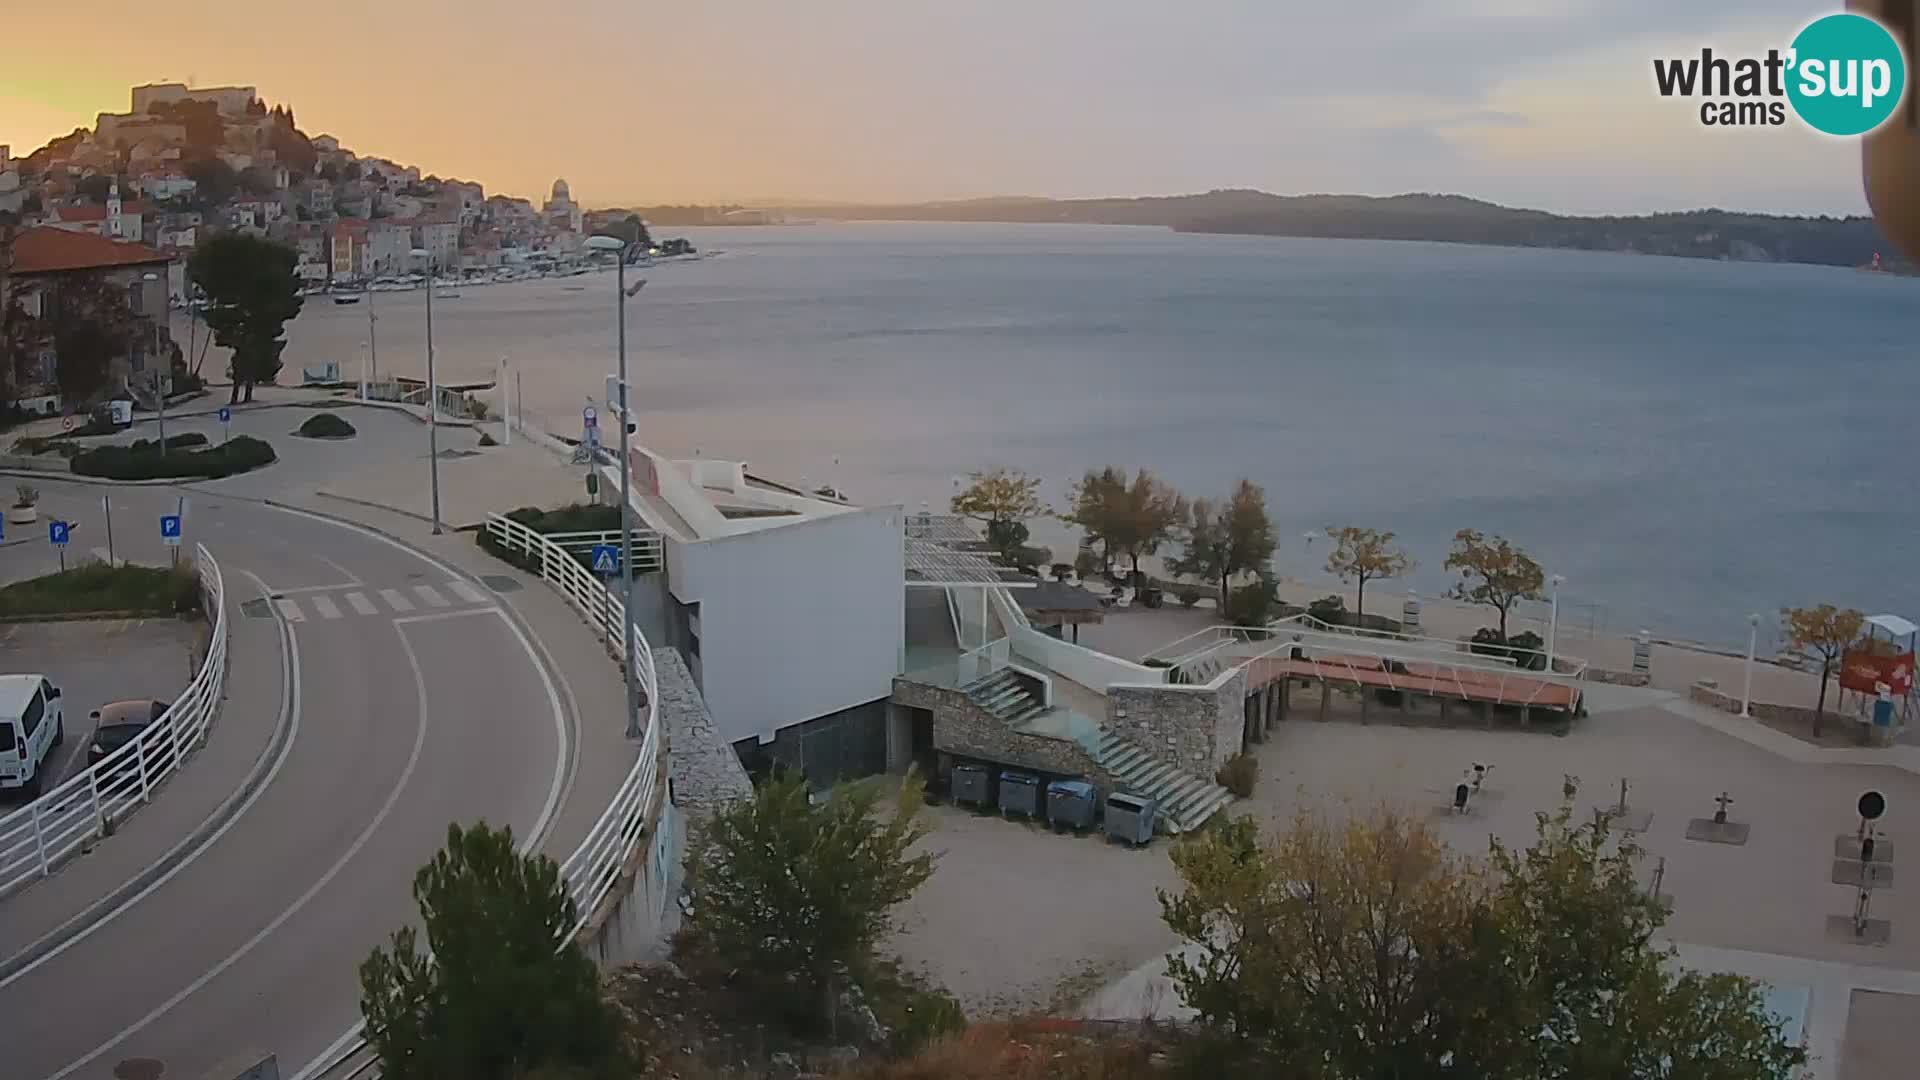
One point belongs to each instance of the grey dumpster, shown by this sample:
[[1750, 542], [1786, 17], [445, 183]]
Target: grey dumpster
[[1130, 817], [1019, 793], [1071, 803], [973, 784]]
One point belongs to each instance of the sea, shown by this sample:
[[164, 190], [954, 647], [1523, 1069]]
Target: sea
[[1684, 441]]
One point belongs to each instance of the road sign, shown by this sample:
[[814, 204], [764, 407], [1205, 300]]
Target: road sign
[[606, 559], [589, 417], [58, 532], [226, 414], [170, 529], [1872, 805], [66, 423]]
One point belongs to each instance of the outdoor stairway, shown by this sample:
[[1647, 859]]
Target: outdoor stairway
[[1186, 801], [1006, 696]]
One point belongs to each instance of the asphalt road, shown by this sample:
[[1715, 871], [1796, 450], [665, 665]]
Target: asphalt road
[[413, 702]]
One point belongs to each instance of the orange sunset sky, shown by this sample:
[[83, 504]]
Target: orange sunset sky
[[1544, 103]]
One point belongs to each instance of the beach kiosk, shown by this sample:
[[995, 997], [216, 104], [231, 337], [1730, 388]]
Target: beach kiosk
[[1877, 677]]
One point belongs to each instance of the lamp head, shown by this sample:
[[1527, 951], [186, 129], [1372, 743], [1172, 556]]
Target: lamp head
[[606, 243]]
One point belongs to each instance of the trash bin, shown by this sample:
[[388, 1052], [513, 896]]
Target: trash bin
[[1130, 817], [1071, 803], [972, 784], [1152, 597], [1019, 793]]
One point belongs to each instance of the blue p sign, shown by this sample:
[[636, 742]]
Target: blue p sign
[[170, 529], [226, 414], [57, 532]]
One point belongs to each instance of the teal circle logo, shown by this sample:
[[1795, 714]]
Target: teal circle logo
[[1847, 74]]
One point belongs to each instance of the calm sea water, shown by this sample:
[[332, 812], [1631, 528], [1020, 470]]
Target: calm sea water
[[1685, 441]]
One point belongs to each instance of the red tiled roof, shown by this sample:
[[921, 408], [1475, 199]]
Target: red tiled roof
[[93, 212], [47, 250]]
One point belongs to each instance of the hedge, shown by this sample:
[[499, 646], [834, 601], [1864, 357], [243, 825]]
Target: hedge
[[575, 517], [325, 425], [97, 587], [143, 460]]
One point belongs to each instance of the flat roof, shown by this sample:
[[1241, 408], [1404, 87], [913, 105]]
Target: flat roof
[[942, 528], [936, 563]]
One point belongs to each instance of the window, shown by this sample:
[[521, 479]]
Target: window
[[30, 716], [7, 742]]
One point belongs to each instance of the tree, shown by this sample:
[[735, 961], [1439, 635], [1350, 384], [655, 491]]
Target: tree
[[798, 893], [1826, 633], [95, 187], [86, 317], [1226, 539], [502, 987], [1493, 572], [1364, 949], [256, 180], [214, 181], [1363, 555], [1002, 499], [1130, 519], [251, 292]]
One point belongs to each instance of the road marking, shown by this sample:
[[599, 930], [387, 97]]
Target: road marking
[[289, 716], [441, 616], [324, 605], [430, 595], [466, 592], [366, 834], [289, 609], [395, 600], [344, 572], [320, 588], [361, 605]]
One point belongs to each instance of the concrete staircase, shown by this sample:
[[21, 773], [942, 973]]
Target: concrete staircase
[[1005, 695], [1186, 801]]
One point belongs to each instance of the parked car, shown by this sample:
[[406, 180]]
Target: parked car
[[30, 727], [118, 724]]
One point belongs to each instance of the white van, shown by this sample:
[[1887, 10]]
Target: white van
[[30, 728]]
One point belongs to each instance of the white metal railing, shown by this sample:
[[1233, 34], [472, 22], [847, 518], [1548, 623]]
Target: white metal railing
[[39, 835], [593, 870], [648, 554]]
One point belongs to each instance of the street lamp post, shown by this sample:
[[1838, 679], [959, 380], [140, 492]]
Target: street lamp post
[[1746, 691], [619, 248], [433, 393], [1553, 615]]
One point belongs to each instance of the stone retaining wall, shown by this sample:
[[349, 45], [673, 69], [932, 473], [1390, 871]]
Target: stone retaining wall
[[1708, 693], [963, 729], [1196, 728], [1621, 678]]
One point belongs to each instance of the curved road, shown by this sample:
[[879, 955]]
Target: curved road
[[412, 701]]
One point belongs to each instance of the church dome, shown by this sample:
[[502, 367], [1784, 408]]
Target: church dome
[[560, 193]]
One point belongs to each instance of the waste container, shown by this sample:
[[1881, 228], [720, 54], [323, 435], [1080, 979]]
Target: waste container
[[1019, 793], [973, 784], [1131, 817], [1071, 803]]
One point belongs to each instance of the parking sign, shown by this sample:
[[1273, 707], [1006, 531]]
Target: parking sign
[[58, 532], [170, 529], [226, 414]]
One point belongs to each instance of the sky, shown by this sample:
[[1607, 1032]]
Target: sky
[[1538, 103]]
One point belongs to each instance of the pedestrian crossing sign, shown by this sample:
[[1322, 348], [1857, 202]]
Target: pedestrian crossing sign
[[606, 559]]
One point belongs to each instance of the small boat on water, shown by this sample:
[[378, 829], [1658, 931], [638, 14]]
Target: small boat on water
[[346, 298]]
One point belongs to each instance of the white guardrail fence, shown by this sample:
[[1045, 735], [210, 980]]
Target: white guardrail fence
[[593, 870], [38, 836]]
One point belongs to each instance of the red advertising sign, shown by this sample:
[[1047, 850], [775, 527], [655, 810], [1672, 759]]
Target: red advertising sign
[[1864, 672]]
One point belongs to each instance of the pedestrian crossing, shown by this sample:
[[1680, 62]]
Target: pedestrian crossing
[[323, 607]]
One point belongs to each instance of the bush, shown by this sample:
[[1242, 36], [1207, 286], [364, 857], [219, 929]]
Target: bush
[[97, 587], [1331, 610], [1251, 605], [1059, 571], [1086, 563], [575, 517], [1189, 596], [1156, 662], [1239, 774], [25, 495], [487, 440], [1525, 647], [1031, 558], [325, 425], [185, 439], [144, 461]]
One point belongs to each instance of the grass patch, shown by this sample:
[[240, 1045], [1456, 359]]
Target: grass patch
[[143, 460], [97, 587], [325, 425]]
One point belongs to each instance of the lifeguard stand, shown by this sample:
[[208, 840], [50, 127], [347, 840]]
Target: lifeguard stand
[[1883, 661]]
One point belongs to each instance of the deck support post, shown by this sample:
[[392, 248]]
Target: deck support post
[[1326, 696]]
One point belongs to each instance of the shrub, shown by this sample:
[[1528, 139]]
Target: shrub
[[1239, 774], [1156, 662], [1525, 647], [25, 495], [1060, 570], [487, 440], [576, 517], [98, 587], [144, 461], [1189, 596], [1488, 642], [1251, 605], [1027, 557], [186, 439], [325, 425], [1329, 609], [1086, 563]]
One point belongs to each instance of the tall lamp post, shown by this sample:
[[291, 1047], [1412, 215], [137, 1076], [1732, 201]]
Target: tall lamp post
[[433, 393], [619, 249], [1746, 690], [1553, 615]]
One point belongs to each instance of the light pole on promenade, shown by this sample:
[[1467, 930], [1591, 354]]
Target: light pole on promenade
[[1746, 692], [1553, 615], [433, 392], [619, 249]]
